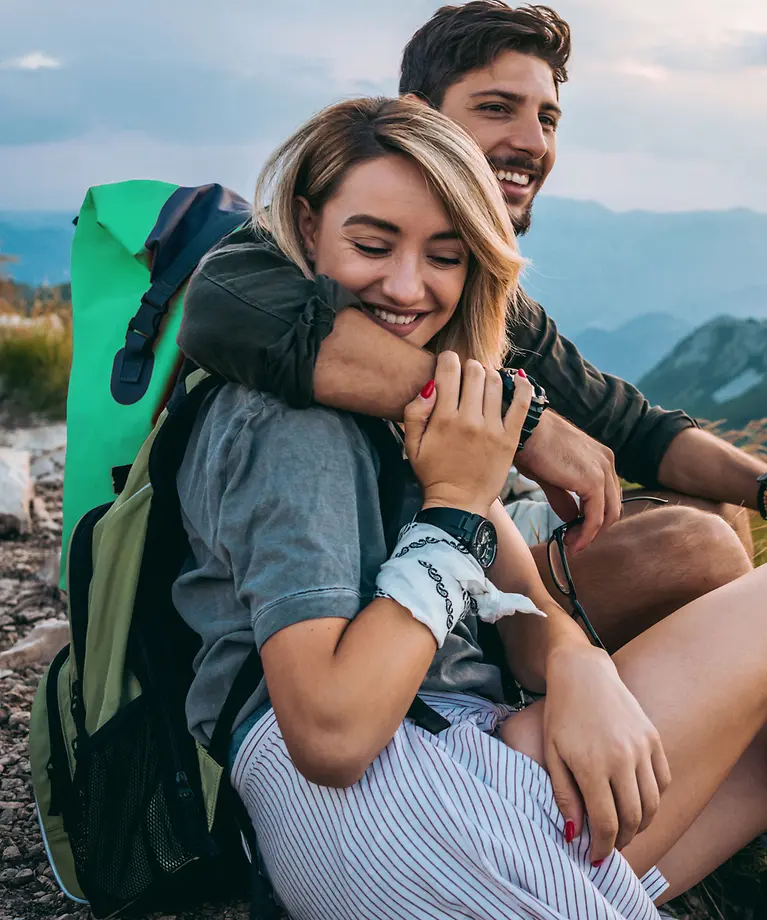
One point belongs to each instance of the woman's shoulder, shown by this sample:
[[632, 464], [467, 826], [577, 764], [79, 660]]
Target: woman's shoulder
[[259, 423]]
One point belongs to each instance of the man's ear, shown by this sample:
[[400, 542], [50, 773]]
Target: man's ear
[[414, 97], [308, 224]]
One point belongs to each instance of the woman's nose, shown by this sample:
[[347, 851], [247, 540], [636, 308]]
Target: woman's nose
[[404, 284]]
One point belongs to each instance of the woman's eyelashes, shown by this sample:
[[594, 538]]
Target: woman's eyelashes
[[377, 252]]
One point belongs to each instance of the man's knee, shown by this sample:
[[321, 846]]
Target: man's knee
[[704, 545]]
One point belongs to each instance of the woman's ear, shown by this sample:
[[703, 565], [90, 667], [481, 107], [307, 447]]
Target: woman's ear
[[308, 224]]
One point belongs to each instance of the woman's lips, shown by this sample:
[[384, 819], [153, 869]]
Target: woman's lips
[[400, 329]]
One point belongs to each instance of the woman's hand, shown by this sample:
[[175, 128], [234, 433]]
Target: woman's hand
[[601, 750], [459, 445]]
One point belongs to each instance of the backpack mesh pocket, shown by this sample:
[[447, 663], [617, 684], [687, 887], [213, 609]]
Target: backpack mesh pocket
[[127, 820]]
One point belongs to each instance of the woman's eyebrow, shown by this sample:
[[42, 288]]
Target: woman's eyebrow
[[367, 220]]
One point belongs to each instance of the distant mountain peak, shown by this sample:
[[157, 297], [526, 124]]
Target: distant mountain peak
[[718, 371]]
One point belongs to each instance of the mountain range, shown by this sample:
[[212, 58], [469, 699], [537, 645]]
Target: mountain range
[[626, 287]]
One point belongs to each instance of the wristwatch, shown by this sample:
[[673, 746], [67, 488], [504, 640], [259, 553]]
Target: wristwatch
[[537, 405], [761, 500], [474, 532]]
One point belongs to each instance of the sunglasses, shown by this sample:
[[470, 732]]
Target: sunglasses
[[560, 570]]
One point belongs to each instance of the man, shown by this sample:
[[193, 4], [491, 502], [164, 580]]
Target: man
[[252, 317]]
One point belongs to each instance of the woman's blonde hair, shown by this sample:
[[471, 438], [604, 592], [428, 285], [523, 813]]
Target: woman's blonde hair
[[316, 159]]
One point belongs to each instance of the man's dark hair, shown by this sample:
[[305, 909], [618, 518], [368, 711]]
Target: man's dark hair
[[459, 39]]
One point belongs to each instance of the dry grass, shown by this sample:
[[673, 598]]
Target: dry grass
[[35, 359]]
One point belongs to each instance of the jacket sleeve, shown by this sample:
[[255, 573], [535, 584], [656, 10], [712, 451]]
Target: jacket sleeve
[[251, 317], [609, 409]]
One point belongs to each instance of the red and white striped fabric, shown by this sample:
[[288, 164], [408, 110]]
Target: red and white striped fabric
[[455, 826]]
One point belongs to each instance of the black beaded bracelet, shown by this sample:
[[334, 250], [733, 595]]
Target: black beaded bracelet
[[761, 500], [538, 404]]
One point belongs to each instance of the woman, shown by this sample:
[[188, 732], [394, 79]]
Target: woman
[[358, 812]]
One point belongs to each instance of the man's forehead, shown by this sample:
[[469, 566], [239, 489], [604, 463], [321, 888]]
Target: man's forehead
[[512, 73]]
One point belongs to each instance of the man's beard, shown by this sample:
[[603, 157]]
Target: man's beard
[[521, 222]]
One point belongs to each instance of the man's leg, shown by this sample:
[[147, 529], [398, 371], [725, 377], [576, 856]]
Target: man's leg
[[647, 566], [738, 517]]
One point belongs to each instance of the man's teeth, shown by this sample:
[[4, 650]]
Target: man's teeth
[[397, 319], [515, 177]]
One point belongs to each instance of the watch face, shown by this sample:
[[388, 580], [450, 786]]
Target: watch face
[[485, 544]]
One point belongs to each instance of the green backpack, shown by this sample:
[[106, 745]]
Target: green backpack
[[133, 811], [135, 245]]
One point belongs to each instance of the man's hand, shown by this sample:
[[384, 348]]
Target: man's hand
[[562, 459]]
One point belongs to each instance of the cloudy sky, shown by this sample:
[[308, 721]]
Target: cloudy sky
[[666, 108]]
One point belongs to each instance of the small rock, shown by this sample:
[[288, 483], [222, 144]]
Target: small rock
[[18, 718], [39, 647], [34, 614], [59, 457], [5, 672], [48, 573], [23, 877], [12, 852], [15, 492], [42, 466]]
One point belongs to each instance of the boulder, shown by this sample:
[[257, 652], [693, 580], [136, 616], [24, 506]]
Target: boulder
[[15, 491], [38, 440]]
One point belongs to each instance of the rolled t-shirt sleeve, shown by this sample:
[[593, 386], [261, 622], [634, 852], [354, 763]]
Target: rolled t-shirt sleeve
[[300, 497], [251, 317]]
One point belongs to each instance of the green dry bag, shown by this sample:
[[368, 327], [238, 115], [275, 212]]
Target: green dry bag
[[135, 245]]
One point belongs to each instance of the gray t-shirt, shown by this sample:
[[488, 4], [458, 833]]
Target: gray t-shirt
[[282, 511]]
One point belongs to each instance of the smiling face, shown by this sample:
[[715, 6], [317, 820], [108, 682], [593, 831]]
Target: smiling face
[[386, 237], [511, 109]]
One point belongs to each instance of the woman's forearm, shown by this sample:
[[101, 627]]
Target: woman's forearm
[[338, 715], [528, 640]]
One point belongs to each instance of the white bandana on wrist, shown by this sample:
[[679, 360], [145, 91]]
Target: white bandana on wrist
[[440, 582]]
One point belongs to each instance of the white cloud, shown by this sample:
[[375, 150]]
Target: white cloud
[[35, 60]]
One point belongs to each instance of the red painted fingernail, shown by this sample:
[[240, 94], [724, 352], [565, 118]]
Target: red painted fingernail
[[521, 372], [428, 390], [569, 831], [598, 863]]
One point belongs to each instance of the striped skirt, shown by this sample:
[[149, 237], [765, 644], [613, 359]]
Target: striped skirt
[[455, 826]]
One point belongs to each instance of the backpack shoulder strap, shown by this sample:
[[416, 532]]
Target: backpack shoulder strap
[[191, 222]]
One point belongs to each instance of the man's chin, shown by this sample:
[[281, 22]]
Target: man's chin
[[521, 218]]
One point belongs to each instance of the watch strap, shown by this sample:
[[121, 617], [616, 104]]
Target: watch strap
[[459, 524]]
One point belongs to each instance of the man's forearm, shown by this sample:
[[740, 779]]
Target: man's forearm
[[363, 368], [697, 463]]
